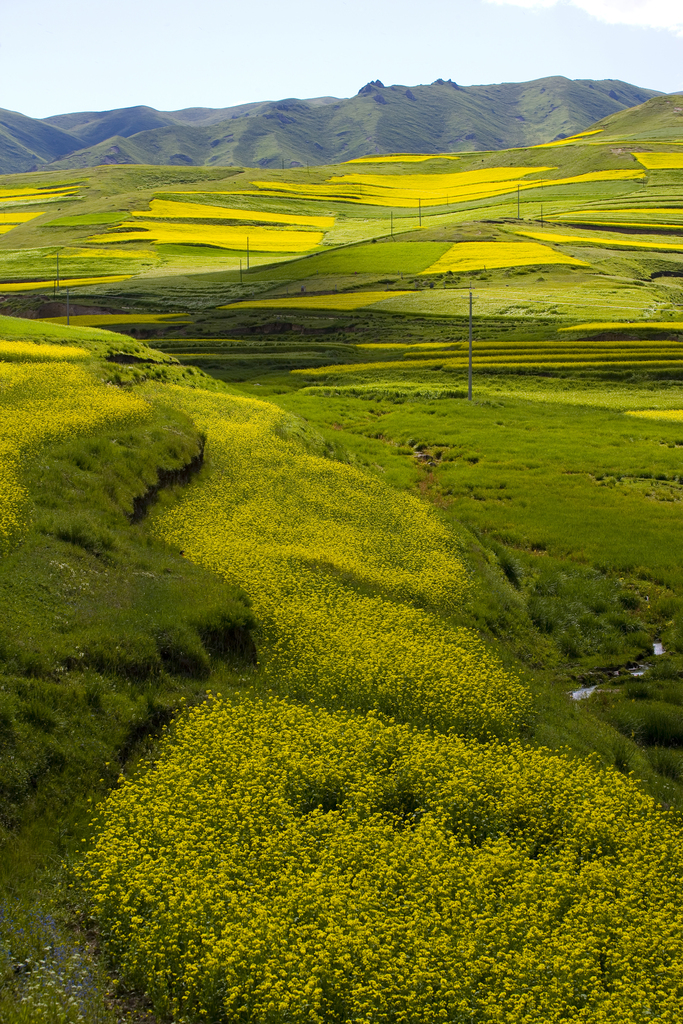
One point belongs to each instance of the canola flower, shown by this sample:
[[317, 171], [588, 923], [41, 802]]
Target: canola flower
[[602, 240], [74, 282], [579, 137], [616, 325], [408, 191], [223, 237], [675, 415], [621, 217], [402, 158], [43, 402], [9, 221], [464, 256], [171, 208], [282, 864], [343, 300], [352, 581], [107, 319], [16, 196], [33, 352], [660, 161]]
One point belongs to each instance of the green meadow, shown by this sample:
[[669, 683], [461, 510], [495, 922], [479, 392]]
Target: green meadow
[[283, 507]]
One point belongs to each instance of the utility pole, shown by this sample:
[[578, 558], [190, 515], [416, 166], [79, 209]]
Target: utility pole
[[469, 371], [67, 308], [247, 252], [541, 214], [58, 270], [518, 203]]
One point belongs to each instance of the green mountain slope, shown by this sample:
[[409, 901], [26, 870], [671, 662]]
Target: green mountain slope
[[437, 118]]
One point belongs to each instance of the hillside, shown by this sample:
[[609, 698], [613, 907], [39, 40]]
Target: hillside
[[441, 117], [337, 683]]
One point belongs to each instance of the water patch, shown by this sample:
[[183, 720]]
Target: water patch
[[584, 692]]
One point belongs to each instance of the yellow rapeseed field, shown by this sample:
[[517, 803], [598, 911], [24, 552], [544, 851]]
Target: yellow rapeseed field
[[607, 242], [168, 208], [568, 141], [348, 576], [281, 864], [73, 282], [464, 256], [411, 191], [345, 300], [616, 325], [658, 414], [402, 158], [33, 352], [44, 402], [638, 217], [234, 237], [106, 319], [9, 221], [15, 196], [660, 161]]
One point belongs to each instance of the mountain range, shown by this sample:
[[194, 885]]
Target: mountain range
[[437, 118]]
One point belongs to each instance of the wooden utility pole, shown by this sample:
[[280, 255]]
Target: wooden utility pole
[[541, 214], [469, 370]]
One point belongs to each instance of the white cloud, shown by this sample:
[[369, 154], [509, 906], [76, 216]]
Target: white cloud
[[666, 14]]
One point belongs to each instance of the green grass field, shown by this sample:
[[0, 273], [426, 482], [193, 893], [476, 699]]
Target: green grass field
[[292, 628]]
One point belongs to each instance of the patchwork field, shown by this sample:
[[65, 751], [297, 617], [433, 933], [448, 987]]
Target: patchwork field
[[327, 694]]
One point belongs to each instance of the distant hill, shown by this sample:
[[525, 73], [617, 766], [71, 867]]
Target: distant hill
[[437, 118]]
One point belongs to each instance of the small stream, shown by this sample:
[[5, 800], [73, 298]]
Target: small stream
[[636, 671]]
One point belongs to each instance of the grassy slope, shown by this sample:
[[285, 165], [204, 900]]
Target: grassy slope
[[105, 628], [426, 118]]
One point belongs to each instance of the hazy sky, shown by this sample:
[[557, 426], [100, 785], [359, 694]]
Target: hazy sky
[[90, 55]]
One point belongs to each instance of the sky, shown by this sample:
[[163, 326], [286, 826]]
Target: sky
[[84, 55]]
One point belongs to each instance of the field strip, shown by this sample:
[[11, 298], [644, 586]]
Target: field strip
[[614, 325], [239, 237], [103, 319], [606, 243], [403, 158], [345, 300], [464, 256], [75, 282], [660, 161], [658, 414], [166, 208]]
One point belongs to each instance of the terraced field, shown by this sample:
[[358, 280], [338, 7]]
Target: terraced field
[[422, 656]]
